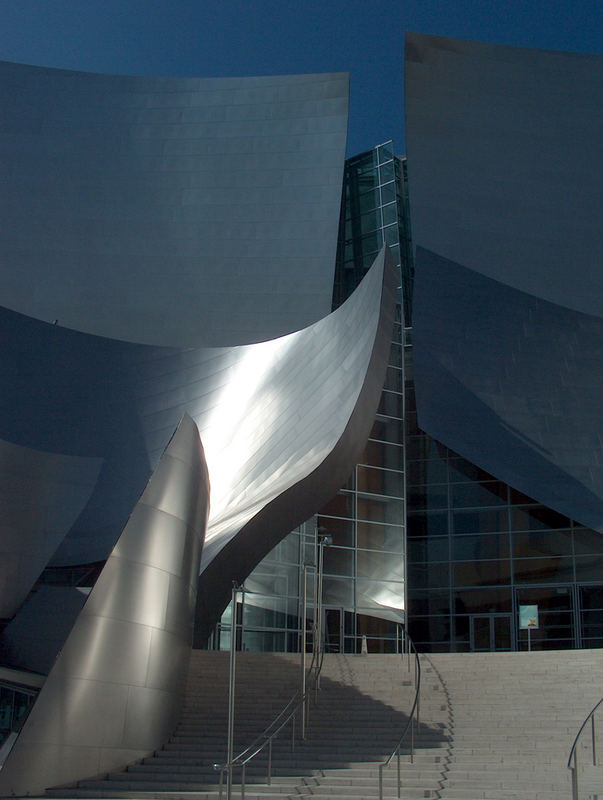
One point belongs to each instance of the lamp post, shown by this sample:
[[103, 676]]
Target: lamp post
[[324, 540], [303, 646], [231, 687]]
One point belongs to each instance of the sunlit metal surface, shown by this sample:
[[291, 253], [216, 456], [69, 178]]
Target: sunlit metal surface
[[171, 211], [42, 495], [508, 324], [114, 692], [303, 431], [269, 413]]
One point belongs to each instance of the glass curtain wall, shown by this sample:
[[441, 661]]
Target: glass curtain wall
[[478, 549], [364, 565]]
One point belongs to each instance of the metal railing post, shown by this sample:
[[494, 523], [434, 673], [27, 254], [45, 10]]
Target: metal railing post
[[592, 719], [380, 781], [243, 782], [293, 732], [575, 777], [319, 611], [231, 690], [399, 781], [269, 781], [412, 743], [303, 649]]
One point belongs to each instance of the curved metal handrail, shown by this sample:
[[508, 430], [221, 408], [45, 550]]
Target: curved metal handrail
[[573, 752], [264, 739], [410, 645]]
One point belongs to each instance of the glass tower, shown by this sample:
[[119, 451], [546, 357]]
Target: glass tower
[[364, 566]]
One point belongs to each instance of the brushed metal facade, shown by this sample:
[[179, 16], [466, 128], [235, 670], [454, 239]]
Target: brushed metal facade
[[285, 421], [220, 196], [42, 496], [513, 383], [309, 420], [505, 200], [113, 694], [269, 413], [504, 152]]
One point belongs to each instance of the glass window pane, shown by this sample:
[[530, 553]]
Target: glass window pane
[[433, 496], [338, 561], [466, 495], [386, 152], [391, 404], [428, 548], [474, 573], [388, 430], [587, 541], [462, 471], [428, 602], [422, 447], [342, 530], [420, 472], [388, 193], [482, 601], [367, 223], [390, 214], [433, 524], [386, 172], [338, 592], [380, 454], [528, 544], [483, 546], [393, 379], [6, 709], [379, 594], [381, 537], [376, 564], [380, 481], [429, 577], [342, 505], [589, 568], [381, 509], [543, 570], [479, 521], [367, 201], [536, 518]]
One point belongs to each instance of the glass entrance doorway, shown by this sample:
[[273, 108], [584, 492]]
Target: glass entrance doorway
[[591, 615], [489, 632], [333, 629]]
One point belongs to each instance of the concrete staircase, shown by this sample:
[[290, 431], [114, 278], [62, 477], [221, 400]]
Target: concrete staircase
[[494, 726], [362, 707], [514, 718]]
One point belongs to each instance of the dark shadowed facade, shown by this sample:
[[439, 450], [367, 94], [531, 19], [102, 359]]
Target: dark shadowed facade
[[505, 457]]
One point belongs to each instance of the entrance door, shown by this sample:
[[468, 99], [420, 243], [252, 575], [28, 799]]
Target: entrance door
[[591, 615], [333, 630], [489, 632]]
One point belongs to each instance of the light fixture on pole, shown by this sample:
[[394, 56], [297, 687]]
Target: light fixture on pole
[[324, 540]]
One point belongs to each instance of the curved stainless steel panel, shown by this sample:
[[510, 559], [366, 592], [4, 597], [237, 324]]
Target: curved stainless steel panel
[[41, 497], [502, 144], [322, 398], [114, 691], [508, 327], [513, 383], [219, 196]]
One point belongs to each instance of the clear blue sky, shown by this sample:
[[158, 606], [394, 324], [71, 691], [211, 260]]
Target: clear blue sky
[[259, 37]]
